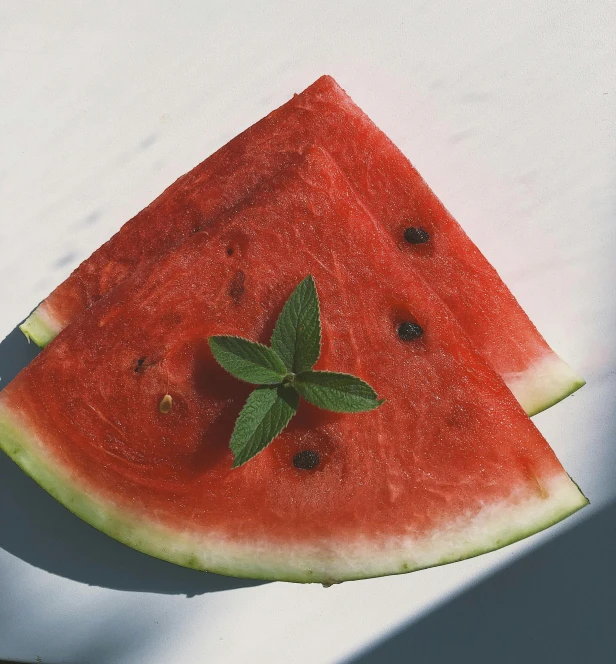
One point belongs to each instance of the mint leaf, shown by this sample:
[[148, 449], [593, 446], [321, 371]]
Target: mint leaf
[[339, 392], [247, 360], [297, 335], [266, 413]]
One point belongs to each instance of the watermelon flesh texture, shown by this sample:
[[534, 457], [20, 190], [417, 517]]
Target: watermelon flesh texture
[[449, 467], [395, 193]]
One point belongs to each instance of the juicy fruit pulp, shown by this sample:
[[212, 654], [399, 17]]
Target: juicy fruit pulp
[[323, 115], [448, 467]]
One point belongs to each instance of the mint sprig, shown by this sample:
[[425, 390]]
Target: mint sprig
[[283, 373]]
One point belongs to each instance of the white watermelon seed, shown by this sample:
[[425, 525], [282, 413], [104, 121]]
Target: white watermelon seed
[[165, 404]]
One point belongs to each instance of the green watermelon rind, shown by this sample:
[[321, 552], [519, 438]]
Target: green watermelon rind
[[40, 328], [367, 560]]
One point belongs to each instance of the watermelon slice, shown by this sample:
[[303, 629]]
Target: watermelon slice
[[449, 467], [395, 193]]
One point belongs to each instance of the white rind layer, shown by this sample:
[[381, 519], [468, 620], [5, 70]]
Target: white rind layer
[[546, 382], [327, 561]]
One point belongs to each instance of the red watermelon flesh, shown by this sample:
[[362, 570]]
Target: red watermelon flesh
[[449, 467], [395, 193]]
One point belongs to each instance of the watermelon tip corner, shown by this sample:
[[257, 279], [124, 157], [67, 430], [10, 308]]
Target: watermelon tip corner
[[544, 384], [37, 328], [575, 385]]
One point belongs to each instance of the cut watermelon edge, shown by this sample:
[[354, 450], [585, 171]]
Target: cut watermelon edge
[[538, 388], [40, 327], [544, 384], [494, 527]]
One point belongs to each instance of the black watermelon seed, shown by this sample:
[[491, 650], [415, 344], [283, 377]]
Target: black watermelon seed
[[230, 251], [306, 460], [140, 362], [415, 235], [409, 331]]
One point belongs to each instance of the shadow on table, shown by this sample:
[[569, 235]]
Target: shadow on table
[[40, 531], [557, 604]]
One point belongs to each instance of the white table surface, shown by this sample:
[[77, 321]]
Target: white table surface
[[508, 109]]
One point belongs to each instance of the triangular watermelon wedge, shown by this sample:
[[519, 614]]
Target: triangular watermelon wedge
[[323, 115], [449, 467]]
